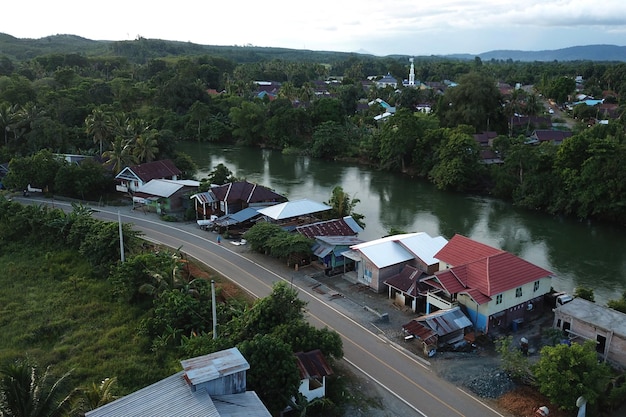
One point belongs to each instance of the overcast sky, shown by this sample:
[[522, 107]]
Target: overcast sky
[[407, 27]]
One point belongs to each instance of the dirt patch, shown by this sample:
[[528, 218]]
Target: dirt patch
[[524, 401]]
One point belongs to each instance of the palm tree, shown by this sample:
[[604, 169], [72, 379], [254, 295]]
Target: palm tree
[[26, 393], [119, 156], [94, 396], [99, 125], [7, 118], [146, 146]]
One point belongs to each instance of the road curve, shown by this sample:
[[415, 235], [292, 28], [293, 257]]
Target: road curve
[[398, 371]]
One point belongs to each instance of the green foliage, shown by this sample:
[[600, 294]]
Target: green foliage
[[38, 170], [343, 205], [24, 392], [619, 304], [584, 293], [219, 176], [282, 306], [273, 372], [514, 362], [564, 373], [260, 234], [457, 166]]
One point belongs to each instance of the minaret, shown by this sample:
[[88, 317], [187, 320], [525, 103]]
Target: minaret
[[412, 73]]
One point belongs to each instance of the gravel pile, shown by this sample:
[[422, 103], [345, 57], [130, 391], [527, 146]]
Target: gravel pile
[[491, 385]]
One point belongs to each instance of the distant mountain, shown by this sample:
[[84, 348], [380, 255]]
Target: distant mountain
[[141, 50], [605, 53]]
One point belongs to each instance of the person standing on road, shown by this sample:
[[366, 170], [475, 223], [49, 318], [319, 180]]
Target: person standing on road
[[219, 239]]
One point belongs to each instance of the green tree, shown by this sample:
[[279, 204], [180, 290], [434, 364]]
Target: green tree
[[145, 146], [24, 392], [249, 122], [220, 175], [259, 235], [475, 101], [273, 372], [458, 167], [342, 205], [120, 155], [564, 373], [561, 88], [94, 396], [282, 306], [99, 126]]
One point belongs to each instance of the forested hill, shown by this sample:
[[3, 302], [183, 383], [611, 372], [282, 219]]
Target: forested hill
[[574, 53], [140, 50]]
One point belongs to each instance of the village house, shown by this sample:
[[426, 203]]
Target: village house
[[555, 137], [210, 385], [583, 320], [165, 195], [380, 259], [233, 197], [132, 177], [313, 369], [496, 289]]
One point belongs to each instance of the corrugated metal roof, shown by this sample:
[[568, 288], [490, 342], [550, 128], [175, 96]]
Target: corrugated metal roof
[[423, 246], [151, 170], [421, 331], [246, 404], [446, 321], [406, 280], [159, 188], [385, 251], [235, 218], [312, 364], [205, 197], [334, 227], [294, 208], [461, 250], [170, 397], [214, 365]]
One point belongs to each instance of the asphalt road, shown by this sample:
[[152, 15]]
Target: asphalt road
[[416, 387]]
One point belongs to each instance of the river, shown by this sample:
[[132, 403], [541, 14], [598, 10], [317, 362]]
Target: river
[[578, 253]]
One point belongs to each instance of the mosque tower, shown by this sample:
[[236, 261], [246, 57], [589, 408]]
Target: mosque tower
[[412, 73]]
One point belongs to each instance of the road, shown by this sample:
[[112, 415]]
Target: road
[[401, 373]]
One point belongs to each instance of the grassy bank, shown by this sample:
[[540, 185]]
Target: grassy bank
[[54, 312]]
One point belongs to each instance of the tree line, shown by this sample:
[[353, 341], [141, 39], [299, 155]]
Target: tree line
[[123, 112]]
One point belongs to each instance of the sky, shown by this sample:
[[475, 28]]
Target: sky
[[381, 27]]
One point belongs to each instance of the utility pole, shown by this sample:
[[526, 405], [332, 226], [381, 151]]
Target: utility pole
[[213, 309], [119, 223]]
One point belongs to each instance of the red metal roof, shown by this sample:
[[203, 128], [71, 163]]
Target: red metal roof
[[421, 331], [156, 170], [447, 280], [406, 280], [461, 250]]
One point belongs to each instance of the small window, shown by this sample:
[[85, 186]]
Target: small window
[[499, 299], [536, 286], [518, 292]]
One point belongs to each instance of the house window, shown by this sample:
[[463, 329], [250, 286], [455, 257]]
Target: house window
[[499, 299], [518, 292], [536, 286]]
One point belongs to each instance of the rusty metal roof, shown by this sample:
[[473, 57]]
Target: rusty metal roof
[[446, 321], [214, 365], [334, 227], [421, 331], [313, 364]]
